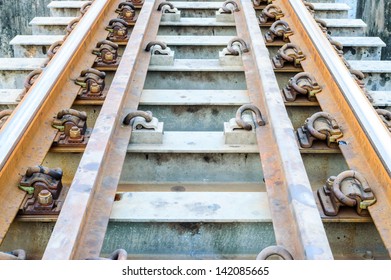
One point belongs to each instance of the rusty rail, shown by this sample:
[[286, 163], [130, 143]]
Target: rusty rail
[[362, 109], [81, 226], [296, 221], [27, 135], [366, 140]]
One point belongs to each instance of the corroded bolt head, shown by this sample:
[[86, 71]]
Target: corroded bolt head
[[74, 132], [121, 32], [45, 197], [94, 88], [109, 56]]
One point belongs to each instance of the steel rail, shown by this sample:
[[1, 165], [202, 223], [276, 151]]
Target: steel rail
[[363, 110], [82, 223], [28, 135], [19, 122], [296, 220], [366, 140]]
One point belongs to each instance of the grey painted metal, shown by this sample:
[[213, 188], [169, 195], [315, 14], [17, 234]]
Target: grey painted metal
[[364, 112], [20, 120]]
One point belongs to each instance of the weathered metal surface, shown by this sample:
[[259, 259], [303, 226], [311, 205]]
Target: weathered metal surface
[[299, 85], [43, 186], [321, 126], [21, 136], [81, 227], [160, 158], [296, 220], [350, 189], [366, 140]]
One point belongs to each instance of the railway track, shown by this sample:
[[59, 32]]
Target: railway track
[[145, 142]]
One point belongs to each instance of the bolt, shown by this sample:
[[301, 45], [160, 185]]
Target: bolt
[[45, 197], [121, 32], [94, 88], [128, 14], [109, 56], [75, 132]]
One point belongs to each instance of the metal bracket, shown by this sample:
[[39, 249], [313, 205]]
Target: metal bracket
[[161, 54], [139, 123], [249, 107], [231, 55], [359, 76], [322, 25], [241, 129], [347, 189], [4, 115], [31, 78], [52, 51], [320, 126], [71, 25], [310, 7], [270, 13], [338, 47], [93, 82], [127, 12], [385, 115], [157, 48], [118, 29], [146, 129], [107, 53], [169, 12], [235, 134], [278, 251], [229, 7], [301, 84], [54, 48], [72, 126], [43, 186], [236, 46], [85, 7], [279, 30], [288, 54], [167, 7], [226, 12], [29, 81]]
